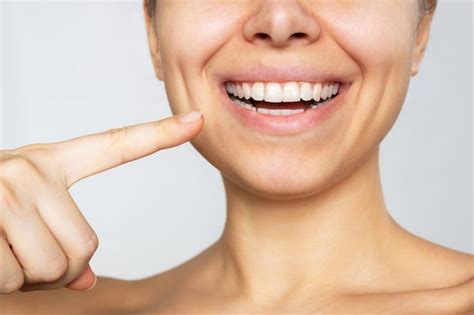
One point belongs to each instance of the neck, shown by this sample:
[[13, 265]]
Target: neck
[[272, 247]]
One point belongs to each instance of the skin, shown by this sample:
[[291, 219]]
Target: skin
[[292, 225]]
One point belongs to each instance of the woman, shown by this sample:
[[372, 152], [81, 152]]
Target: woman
[[296, 98]]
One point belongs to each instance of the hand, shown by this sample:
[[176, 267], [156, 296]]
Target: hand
[[45, 241]]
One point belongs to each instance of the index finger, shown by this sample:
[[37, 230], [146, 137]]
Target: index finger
[[88, 155]]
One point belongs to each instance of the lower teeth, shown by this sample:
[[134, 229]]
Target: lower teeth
[[275, 112]]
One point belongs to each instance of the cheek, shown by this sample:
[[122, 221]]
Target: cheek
[[190, 34], [373, 33], [193, 31], [379, 37]]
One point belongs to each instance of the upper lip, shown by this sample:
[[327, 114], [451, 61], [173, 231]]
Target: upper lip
[[286, 73]]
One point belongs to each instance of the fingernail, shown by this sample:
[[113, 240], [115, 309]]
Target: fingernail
[[93, 285], [189, 117]]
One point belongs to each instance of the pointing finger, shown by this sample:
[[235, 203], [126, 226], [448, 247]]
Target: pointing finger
[[88, 155]]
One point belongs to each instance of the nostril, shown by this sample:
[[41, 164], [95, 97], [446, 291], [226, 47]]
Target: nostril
[[299, 35], [262, 36]]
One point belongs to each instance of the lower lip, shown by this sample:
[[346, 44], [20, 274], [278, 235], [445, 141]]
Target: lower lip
[[287, 125]]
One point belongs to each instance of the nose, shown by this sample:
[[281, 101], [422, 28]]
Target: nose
[[281, 23]]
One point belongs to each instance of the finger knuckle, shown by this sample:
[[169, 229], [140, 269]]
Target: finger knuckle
[[89, 246], [11, 205], [55, 270], [7, 197], [18, 167], [164, 132], [116, 135], [114, 138], [13, 283], [6, 154], [32, 150]]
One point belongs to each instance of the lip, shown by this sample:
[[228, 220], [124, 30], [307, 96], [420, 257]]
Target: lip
[[286, 125], [262, 73]]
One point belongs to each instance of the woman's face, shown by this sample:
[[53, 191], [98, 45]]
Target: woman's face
[[371, 48]]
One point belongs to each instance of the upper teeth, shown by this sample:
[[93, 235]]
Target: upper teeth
[[283, 92]]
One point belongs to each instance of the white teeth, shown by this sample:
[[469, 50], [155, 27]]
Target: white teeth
[[286, 92], [248, 106], [273, 93], [288, 112], [258, 91], [317, 92], [268, 111], [247, 90], [297, 111], [306, 93], [291, 92], [324, 93], [335, 89], [229, 87], [263, 110], [320, 93], [279, 112], [240, 103], [240, 91]]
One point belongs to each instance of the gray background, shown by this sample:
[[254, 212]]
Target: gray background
[[69, 69]]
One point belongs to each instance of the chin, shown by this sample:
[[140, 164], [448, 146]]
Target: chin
[[281, 179]]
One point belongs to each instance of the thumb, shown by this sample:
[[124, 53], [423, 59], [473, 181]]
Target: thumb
[[85, 282]]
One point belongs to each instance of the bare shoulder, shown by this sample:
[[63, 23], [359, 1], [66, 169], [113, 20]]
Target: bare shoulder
[[453, 281], [456, 300], [427, 278], [439, 265], [108, 297]]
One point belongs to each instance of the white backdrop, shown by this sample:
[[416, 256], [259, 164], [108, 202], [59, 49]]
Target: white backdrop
[[71, 68]]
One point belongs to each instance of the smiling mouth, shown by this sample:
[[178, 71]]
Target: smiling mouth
[[281, 99]]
